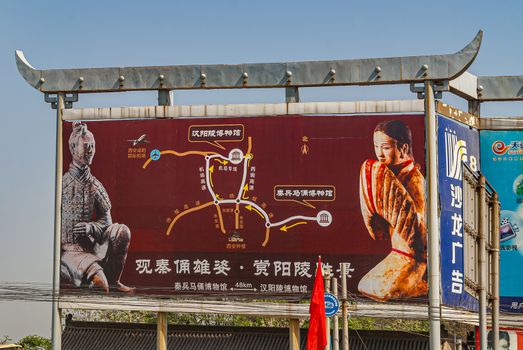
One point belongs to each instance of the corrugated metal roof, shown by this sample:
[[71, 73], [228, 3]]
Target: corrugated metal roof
[[125, 336]]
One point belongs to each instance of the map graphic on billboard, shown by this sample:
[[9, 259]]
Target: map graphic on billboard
[[502, 163], [243, 206]]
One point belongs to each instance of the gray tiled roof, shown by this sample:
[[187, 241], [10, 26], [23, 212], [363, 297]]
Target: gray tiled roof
[[125, 336]]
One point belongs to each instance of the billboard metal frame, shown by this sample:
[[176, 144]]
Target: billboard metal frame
[[428, 76], [394, 70], [481, 231]]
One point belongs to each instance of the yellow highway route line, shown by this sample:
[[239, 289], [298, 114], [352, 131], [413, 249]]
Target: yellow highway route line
[[177, 217], [249, 143], [237, 216], [267, 231], [220, 218], [179, 154]]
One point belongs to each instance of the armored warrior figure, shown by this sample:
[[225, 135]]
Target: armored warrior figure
[[94, 248]]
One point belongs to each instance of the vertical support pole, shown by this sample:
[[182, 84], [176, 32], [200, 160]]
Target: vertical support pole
[[56, 327], [483, 280], [344, 308], [335, 331], [161, 331], [327, 284], [294, 334], [495, 270], [165, 98], [433, 232], [474, 107], [292, 95]]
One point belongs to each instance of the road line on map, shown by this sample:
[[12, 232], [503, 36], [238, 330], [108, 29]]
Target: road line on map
[[220, 218], [298, 217], [183, 213], [267, 232], [179, 154], [244, 178], [237, 216], [209, 188]]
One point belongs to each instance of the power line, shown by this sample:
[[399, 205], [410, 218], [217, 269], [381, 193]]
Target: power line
[[149, 299]]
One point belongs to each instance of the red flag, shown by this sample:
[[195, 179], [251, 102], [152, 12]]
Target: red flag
[[317, 334]]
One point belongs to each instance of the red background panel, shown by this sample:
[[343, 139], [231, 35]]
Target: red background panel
[[145, 199]]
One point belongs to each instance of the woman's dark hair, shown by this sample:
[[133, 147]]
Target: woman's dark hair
[[399, 131], [502, 335]]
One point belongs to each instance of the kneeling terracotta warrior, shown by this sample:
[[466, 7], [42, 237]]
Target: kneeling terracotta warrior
[[393, 206], [94, 248]]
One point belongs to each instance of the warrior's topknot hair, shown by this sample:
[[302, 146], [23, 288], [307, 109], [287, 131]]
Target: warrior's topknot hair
[[79, 129]]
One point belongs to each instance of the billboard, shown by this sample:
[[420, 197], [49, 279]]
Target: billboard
[[502, 164], [509, 339], [244, 206], [457, 144]]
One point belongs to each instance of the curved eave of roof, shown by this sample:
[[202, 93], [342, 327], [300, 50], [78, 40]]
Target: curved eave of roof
[[372, 71]]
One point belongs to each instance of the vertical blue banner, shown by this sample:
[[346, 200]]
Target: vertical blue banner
[[502, 164], [457, 144]]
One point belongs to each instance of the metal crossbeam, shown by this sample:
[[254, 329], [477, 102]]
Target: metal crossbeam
[[500, 88], [488, 88], [244, 110], [375, 71]]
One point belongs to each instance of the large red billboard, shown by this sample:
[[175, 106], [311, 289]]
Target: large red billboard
[[509, 339], [244, 206]]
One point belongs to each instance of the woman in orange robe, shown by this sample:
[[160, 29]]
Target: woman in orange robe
[[392, 199]]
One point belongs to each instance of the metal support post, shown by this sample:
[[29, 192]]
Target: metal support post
[[292, 95], [344, 308], [495, 270], [56, 327], [433, 232], [335, 332], [474, 107], [165, 98], [294, 334], [327, 284], [483, 281], [161, 331]]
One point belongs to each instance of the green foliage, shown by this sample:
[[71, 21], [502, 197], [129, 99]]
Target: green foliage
[[384, 324], [4, 339], [457, 328], [172, 318], [360, 323], [388, 324], [34, 342], [226, 320], [113, 316]]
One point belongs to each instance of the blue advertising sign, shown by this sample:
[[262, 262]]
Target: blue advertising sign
[[502, 164], [332, 305], [457, 144]]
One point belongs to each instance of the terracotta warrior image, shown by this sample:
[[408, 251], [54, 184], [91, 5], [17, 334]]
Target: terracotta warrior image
[[392, 199], [93, 247]]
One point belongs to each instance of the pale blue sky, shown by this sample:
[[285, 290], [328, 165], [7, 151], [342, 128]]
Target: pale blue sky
[[64, 34]]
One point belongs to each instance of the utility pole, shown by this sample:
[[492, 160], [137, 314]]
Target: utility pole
[[433, 224], [344, 308]]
